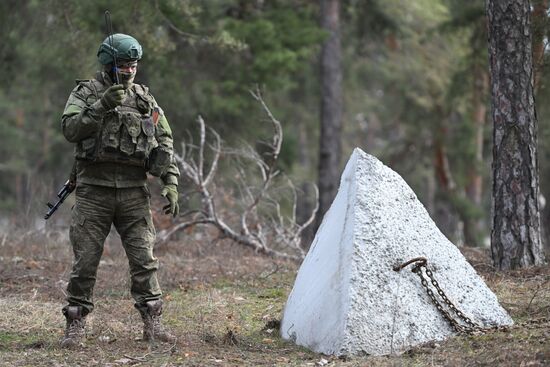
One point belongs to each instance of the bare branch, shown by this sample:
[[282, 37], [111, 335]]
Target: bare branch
[[311, 218], [217, 152], [201, 148], [255, 218], [268, 172]]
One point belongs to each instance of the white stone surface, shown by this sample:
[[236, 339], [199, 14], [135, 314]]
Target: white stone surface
[[347, 300]]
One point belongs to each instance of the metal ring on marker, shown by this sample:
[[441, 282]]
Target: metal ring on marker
[[421, 260]]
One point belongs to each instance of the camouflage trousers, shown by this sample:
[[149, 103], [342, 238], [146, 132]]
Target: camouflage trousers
[[96, 208]]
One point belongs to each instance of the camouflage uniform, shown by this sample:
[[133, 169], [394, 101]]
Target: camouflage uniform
[[114, 150]]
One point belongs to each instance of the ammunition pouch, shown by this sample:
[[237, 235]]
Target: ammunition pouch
[[127, 134]]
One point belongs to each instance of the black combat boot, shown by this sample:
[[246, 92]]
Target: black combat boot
[[153, 329], [74, 330]]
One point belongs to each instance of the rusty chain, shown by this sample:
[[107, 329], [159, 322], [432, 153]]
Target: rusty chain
[[459, 322]]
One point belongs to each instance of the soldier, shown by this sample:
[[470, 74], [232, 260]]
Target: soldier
[[120, 134]]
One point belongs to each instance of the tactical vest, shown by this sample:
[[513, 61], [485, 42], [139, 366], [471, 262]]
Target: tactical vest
[[127, 133]]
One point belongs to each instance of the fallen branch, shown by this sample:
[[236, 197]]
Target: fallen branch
[[268, 231]]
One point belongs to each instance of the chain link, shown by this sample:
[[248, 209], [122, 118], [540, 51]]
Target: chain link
[[458, 320]]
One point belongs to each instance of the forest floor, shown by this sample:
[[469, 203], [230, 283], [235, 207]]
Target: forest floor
[[224, 302]]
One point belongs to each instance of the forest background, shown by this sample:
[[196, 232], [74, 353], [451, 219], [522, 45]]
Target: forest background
[[415, 87]]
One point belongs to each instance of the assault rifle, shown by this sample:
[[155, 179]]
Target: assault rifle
[[65, 191]]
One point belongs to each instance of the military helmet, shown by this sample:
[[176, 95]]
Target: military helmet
[[124, 47]]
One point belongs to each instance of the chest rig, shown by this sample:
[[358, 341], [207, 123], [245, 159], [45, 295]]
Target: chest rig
[[127, 133]]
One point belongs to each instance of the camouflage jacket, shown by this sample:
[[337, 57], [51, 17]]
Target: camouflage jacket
[[117, 147]]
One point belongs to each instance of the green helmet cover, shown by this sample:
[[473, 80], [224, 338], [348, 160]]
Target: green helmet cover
[[124, 47]]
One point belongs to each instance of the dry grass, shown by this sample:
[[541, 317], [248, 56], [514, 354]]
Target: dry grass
[[220, 300]]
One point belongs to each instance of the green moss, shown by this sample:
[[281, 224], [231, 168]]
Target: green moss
[[275, 293], [7, 338], [10, 340]]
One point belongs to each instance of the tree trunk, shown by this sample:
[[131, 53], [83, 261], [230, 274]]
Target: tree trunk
[[305, 201], [474, 186], [331, 107], [475, 180], [515, 234], [19, 179], [448, 215], [441, 164], [540, 15]]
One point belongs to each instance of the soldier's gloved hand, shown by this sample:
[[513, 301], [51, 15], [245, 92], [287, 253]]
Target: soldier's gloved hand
[[113, 96], [170, 192]]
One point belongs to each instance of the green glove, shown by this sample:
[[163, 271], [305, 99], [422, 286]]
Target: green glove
[[170, 192], [113, 96]]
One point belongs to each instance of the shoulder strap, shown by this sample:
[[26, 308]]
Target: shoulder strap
[[78, 81]]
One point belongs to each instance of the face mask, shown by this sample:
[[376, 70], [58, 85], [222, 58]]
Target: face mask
[[126, 78], [126, 73]]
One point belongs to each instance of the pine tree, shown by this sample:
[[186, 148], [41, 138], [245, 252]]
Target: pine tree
[[515, 236]]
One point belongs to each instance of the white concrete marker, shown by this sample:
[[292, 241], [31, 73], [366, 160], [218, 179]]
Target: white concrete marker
[[347, 300]]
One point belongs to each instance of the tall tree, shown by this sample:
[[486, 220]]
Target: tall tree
[[515, 235], [331, 107]]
